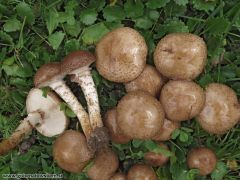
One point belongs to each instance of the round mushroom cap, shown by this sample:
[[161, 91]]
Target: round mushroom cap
[[121, 55], [47, 74], [180, 56], [202, 158], [139, 115], [76, 60], [141, 172], [166, 131], [221, 111], [104, 165], [54, 120], [182, 100], [110, 121], [150, 80], [119, 176], [70, 151]]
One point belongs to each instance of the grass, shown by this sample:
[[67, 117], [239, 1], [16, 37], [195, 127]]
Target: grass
[[34, 32]]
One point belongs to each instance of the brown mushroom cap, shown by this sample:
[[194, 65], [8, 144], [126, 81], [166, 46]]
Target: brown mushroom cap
[[221, 110], [166, 131], [182, 100], [70, 151], [119, 176], [180, 56], [104, 165], [141, 172], [139, 115], [76, 60], [47, 73], [121, 55], [202, 158], [156, 159], [150, 80], [110, 121]]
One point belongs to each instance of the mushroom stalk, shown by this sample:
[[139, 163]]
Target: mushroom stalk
[[63, 90], [25, 128]]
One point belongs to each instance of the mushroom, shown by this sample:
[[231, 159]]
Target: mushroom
[[70, 151], [141, 172], [139, 115], [180, 56], [156, 159], [50, 75], [121, 55], [110, 121], [221, 111], [150, 80], [203, 159], [166, 131], [104, 165], [119, 176], [182, 100], [43, 114]]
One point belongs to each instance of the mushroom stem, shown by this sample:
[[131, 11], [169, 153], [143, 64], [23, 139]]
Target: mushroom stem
[[63, 90], [24, 128]]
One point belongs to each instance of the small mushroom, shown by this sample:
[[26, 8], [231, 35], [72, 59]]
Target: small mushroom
[[182, 100], [121, 55], [156, 159], [70, 151], [43, 114], [110, 121], [221, 111], [119, 176], [180, 56], [150, 80], [166, 131], [203, 159], [104, 165], [50, 75], [139, 115], [141, 172]]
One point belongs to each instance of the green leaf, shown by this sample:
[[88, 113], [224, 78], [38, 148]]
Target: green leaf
[[204, 5], [154, 147], [71, 45], [113, 13], [56, 39], [12, 25], [183, 136], [217, 26], [153, 14], [137, 143], [219, 172], [52, 20], [134, 8], [24, 10], [154, 4], [94, 33], [98, 5], [74, 29], [143, 23], [15, 70], [173, 9], [181, 2], [88, 16], [4, 37]]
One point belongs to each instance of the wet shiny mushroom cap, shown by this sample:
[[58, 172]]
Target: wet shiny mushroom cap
[[150, 80], [121, 55], [221, 110], [202, 158], [110, 121], [166, 131], [139, 115], [70, 151], [141, 172], [182, 100], [180, 56]]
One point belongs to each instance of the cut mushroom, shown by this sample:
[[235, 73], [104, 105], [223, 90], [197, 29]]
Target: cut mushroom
[[203, 159], [121, 55], [141, 172], [50, 75], [110, 121], [139, 115], [77, 65], [180, 56], [43, 114], [182, 100], [71, 152], [221, 111], [150, 80]]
